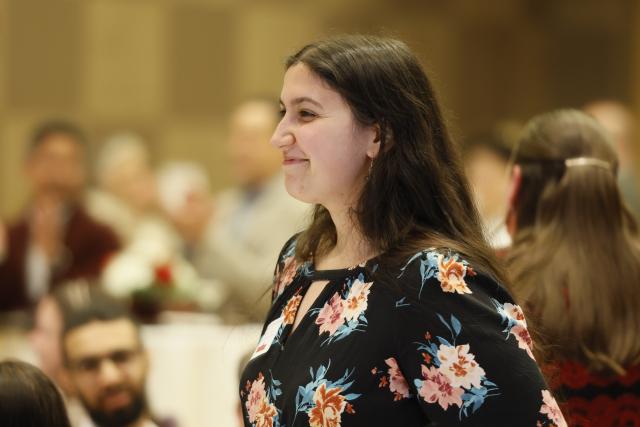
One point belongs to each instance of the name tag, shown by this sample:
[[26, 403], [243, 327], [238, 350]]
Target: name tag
[[267, 338]]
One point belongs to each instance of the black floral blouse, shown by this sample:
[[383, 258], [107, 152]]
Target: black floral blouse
[[446, 347]]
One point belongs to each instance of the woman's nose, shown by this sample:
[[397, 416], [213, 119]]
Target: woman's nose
[[282, 136]]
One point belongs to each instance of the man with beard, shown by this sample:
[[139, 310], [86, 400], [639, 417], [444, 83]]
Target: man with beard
[[107, 365]]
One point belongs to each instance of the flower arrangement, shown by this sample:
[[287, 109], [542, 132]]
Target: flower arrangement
[[153, 280]]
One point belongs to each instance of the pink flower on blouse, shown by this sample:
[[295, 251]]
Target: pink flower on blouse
[[331, 317], [524, 339], [356, 301], [436, 387], [398, 382], [459, 366], [261, 412], [551, 409], [256, 397], [286, 275], [515, 312]]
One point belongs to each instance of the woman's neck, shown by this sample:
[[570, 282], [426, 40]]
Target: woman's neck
[[351, 248]]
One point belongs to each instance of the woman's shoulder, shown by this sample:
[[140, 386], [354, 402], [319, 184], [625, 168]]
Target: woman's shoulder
[[441, 272]]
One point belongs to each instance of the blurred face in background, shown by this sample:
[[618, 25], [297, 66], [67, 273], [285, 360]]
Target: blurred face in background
[[134, 183], [108, 369], [253, 159], [489, 181], [55, 168], [123, 169], [619, 122], [45, 338]]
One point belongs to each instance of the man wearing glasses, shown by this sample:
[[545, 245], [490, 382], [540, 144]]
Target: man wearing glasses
[[108, 366]]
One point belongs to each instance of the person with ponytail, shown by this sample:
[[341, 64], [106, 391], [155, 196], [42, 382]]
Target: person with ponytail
[[389, 309], [575, 266]]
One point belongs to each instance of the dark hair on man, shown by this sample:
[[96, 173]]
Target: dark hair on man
[[28, 398], [82, 302], [417, 195], [56, 127]]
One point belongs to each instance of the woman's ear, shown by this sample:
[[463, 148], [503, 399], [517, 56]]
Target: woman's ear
[[374, 145]]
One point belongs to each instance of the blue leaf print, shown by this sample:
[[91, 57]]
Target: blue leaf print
[[473, 399], [444, 322], [456, 325], [401, 303], [444, 342], [321, 371], [304, 397], [413, 258]]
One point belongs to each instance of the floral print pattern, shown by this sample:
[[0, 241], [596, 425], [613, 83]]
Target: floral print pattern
[[344, 312], [516, 325], [551, 411], [260, 411], [291, 309], [286, 271], [440, 345], [437, 388], [451, 376], [449, 269], [324, 401], [394, 379]]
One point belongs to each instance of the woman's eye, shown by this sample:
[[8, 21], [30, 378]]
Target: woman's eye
[[282, 112], [305, 114]]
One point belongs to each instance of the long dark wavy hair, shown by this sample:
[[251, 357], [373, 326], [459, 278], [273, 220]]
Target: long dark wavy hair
[[28, 398], [416, 195], [575, 262]]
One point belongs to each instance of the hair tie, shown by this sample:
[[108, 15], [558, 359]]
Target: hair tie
[[587, 161]]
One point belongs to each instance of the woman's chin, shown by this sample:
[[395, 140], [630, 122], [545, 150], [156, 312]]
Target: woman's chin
[[296, 191]]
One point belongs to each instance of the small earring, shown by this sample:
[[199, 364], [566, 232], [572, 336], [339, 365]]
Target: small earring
[[370, 168]]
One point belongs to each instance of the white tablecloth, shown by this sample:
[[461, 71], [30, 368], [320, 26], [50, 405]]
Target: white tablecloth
[[194, 371]]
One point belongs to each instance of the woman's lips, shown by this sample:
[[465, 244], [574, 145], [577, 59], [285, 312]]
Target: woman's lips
[[293, 161]]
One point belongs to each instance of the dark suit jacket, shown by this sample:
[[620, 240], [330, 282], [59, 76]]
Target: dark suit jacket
[[88, 246]]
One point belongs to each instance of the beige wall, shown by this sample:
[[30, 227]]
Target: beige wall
[[173, 69]]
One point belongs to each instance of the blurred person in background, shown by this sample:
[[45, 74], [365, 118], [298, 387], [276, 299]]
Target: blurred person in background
[[46, 339], [486, 161], [233, 238], [106, 362], [622, 126], [28, 398], [125, 197], [55, 239], [575, 265]]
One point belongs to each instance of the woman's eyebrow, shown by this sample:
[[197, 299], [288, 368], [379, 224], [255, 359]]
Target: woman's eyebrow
[[302, 99]]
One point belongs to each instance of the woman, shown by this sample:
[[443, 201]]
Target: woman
[[576, 265], [28, 398], [387, 308]]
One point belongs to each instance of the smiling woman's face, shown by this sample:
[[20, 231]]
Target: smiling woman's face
[[326, 152]]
